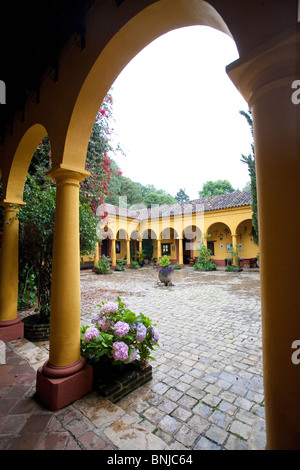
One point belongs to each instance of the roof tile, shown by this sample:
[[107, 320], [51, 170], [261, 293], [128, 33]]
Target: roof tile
[[211, 203]]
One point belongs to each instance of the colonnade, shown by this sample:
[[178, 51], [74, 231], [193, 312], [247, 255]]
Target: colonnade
[[265, 79]]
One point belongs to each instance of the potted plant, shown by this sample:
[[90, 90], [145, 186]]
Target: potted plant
[[148, 250], [204, 261], [36, 222], [134, 264], [119, 346], [141, 256], [233, 258], [103, 266], [121, 263], [165, 270]]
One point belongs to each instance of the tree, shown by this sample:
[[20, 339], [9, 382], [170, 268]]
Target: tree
[[158, 199], [181, 196], [96, 187], [36, 221], [213, 188], [250, 161], [36, 218], [136, 193]]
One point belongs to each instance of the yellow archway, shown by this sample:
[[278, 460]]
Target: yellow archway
[[264, 75], [14, 177], [152, 22]]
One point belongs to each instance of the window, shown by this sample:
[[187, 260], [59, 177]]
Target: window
[[166, 249], [228, 247], [118, 247]]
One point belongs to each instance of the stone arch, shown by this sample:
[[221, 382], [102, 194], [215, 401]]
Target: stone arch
[[168, 233], [219, 241], [121, 234], [248, 248], [134, 235], [192, 232], [14, 178], [121, 243], [105, 233], [150, 23], [191, 239], [149, 234]]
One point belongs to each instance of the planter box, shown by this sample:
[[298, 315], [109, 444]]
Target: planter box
[[35, 331], [114, 382]]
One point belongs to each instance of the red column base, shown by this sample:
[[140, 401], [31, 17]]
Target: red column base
[[56, 393], [11, 330]]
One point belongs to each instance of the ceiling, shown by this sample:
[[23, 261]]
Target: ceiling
[[31, 40]]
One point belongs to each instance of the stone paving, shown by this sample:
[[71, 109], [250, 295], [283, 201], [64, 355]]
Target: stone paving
[[207, 388]]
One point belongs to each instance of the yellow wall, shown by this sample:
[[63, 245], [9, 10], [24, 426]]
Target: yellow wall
[[220, 224]]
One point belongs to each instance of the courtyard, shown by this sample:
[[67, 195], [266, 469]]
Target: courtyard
[[207, 387]]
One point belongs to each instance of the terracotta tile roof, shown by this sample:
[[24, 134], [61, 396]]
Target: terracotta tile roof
[[212, 203]]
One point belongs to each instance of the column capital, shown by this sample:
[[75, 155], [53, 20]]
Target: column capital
[[12, 205], [64, 172], [266, 68]]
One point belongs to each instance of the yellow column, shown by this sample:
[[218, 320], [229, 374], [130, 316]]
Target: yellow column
[[180, 251], [9, 275], [113, 252], [234, 243], [267, 80], [140, 244], [96, 256], [158, 250], [65, 288], [128, 250]]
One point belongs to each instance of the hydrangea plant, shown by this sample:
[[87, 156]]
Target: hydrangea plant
[[119, 334]]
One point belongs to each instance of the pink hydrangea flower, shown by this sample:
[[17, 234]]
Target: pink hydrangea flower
[[120, 351], [155, 336], [105, 325], [141, 332], [121, 328], [110, 307], [90, 333], [132, 357]]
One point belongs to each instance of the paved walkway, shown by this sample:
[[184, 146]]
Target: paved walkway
[[206, 391]]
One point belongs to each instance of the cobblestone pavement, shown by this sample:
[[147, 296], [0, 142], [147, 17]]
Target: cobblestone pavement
[[207, 389]]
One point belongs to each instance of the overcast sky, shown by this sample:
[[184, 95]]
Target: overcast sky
[[177, 113]]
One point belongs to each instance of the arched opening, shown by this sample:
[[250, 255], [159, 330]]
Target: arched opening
[[192, 239], [149, 245], [154, 21], [169, 244], [121, 245], [14, 177], [248, 249], [135, 243], [264, 74], [219, 241]]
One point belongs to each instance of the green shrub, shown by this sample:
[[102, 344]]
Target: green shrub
[[232, 268], [134, 264], [121, 264], [103, 266], [204, 261], [165, 261]]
